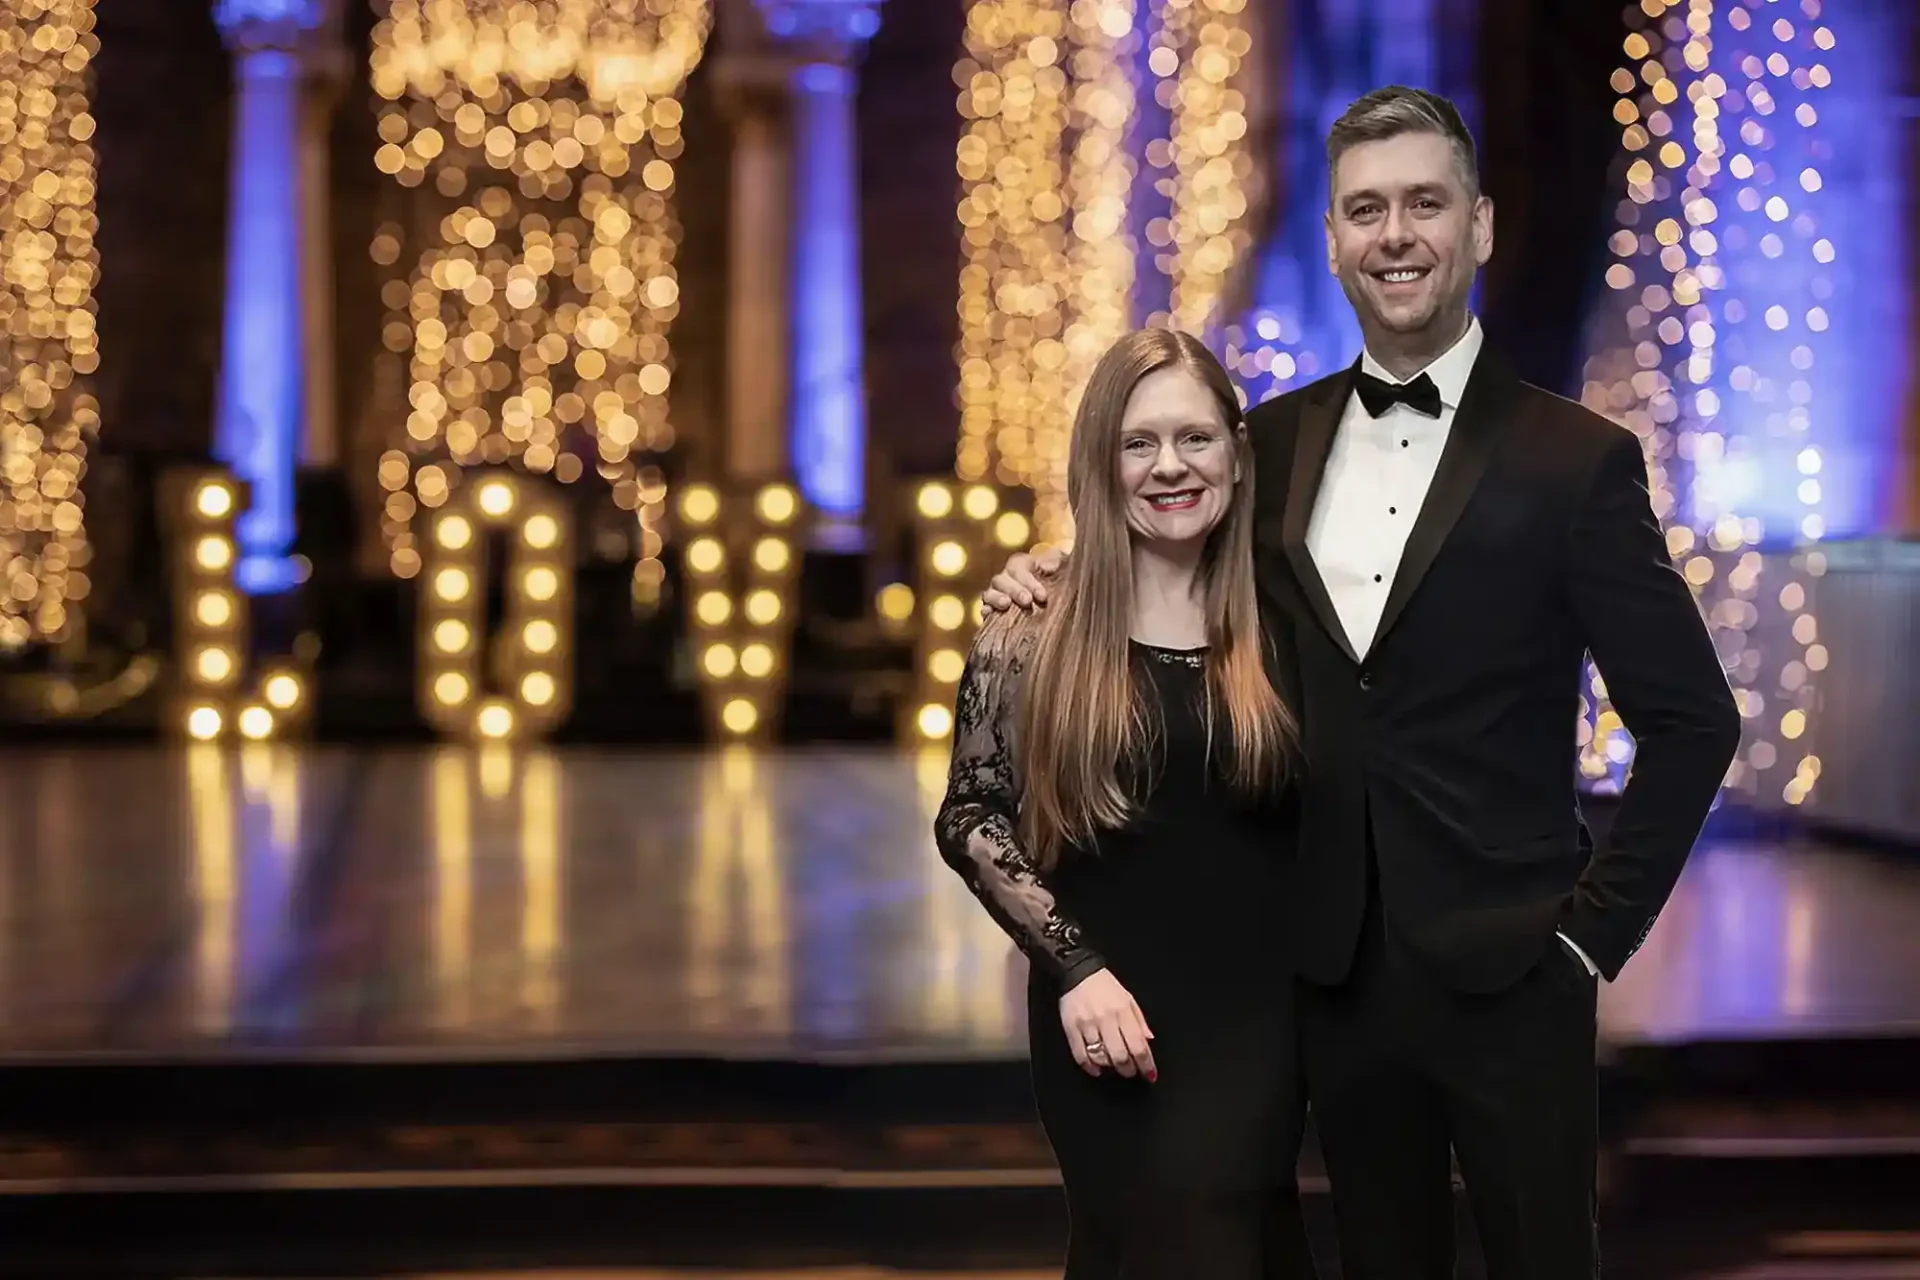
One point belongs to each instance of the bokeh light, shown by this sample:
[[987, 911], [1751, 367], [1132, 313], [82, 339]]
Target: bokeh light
[[1207, 152], [48, 227], [533, 319], [1708, 347]]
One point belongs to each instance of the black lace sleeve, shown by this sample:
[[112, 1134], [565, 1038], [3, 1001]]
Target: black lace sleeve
[[977, 826]]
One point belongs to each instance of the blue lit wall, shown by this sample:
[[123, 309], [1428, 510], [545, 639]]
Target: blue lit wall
[[1752, 332], [1786, 372], [1808, 384], [1300, 326], [1150, 200], [1866, 357]]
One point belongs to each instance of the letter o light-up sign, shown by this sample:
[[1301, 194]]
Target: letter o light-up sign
[[517, 682]]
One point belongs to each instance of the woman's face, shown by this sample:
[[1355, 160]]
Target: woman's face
[[1177, 468]]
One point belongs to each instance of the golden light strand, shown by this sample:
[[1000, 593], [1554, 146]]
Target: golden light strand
[[1211, 164], [49, 267], [1100, 176], [1015, 277], [537, 319], [1659, 376]]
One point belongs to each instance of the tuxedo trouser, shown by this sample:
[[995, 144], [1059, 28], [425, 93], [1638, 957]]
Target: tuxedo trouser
[[1404, 1072]]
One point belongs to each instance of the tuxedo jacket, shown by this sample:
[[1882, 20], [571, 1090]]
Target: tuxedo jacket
[[1438, 766]]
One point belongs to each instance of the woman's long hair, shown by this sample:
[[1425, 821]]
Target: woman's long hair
[[1083, 713]]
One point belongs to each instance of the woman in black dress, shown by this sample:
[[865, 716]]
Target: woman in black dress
[[1117, 766]]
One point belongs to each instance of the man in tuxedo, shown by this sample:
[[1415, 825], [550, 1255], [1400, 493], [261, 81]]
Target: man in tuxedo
[[1439, 546]]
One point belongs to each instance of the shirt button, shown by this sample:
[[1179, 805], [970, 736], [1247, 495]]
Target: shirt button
[[1393, 511], [1366, 679], [1377, 578]]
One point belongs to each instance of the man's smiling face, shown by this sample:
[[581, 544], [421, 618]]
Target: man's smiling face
[[1406, 235]]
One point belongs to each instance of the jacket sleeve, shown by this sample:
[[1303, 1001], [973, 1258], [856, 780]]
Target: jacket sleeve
[[1646, 634]]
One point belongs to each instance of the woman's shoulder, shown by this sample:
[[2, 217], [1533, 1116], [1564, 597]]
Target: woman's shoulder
[[1006, 641]]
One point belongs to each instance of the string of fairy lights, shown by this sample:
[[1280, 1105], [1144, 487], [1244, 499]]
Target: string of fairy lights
[[1015, 276], [536, 320], [1710, 357], [535, 317], [48, 226], [1197, 58], [1049, 168], [1100, 178]]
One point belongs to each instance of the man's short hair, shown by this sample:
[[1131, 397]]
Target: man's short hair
[[1395, 110]]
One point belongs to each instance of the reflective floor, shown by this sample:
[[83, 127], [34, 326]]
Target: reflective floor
[[833, 1273], [311, 901], [1786, 1269]]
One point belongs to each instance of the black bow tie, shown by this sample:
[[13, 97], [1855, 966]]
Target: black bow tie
[[1378, 395]]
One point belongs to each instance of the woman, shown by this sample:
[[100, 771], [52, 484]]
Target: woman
[[1116, 765]]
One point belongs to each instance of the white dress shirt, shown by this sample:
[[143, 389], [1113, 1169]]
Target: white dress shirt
[[1377, 476]]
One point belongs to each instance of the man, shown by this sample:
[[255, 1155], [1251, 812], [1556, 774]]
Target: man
[[1439, 546]]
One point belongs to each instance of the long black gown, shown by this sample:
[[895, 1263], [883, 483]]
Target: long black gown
[[1191, 1176]]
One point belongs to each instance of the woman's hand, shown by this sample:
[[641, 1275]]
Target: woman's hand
[[1024, 581], [1105, 1028]]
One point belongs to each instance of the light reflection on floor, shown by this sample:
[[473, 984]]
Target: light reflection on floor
[[295, 899], [1776, 941]]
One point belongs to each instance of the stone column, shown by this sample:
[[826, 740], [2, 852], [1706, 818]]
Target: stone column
[[829, 420], [807, 51], [327, 73], [261, 419]]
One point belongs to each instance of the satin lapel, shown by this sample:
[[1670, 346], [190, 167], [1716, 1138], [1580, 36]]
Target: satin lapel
[[1486, 408], [1319, 419]]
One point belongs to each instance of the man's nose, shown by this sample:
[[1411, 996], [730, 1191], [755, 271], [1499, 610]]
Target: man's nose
[[1398, 229]]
